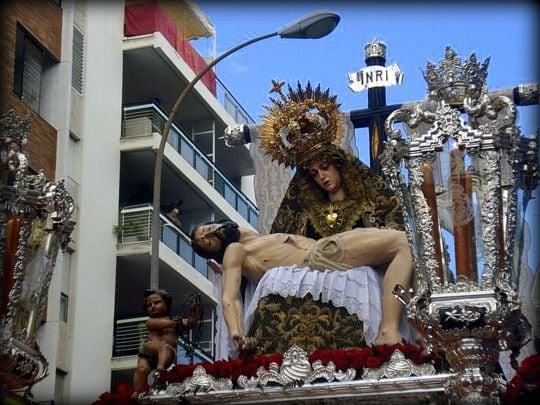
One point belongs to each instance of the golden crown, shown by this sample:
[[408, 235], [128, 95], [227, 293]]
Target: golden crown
[[299, 121]]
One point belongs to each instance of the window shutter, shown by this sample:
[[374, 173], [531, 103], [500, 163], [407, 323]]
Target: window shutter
[[33, 61], [77, 66]]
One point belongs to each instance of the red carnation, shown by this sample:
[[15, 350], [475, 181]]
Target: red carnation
[[223, 369], [357, 357], [383, 352], [250, 369], [210, 368], [341, 360], [373, 362], [323, 355], [275, 358], [529, 369], [417, 358], [182, 371], [263, 361]]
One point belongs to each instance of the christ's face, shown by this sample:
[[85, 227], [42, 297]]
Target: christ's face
[[206, 237]]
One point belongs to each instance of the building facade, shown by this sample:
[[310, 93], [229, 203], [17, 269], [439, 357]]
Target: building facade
[[99, 80]]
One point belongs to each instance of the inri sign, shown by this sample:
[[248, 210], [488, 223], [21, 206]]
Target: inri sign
[[375, 76]]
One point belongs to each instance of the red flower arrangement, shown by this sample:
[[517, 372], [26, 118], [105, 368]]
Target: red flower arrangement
[[368, 357], [524, 388], [122, 396]]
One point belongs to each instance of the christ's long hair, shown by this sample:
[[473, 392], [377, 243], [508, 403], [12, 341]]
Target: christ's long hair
[[231, 234]]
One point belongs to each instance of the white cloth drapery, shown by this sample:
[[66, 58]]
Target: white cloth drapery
[[357, 290]]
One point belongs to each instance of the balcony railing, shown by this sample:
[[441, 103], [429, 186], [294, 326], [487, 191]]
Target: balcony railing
[[136, 225], [232, 105], [144, 119], [131, 333]]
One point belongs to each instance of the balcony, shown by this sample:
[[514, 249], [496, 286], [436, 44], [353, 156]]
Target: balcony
[[154, 71], [131, 333], [147, 18], [145, 119], [135, 226]]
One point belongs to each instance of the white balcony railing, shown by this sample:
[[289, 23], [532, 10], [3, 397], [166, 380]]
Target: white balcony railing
[[136, 226], [131, 333], [232, 105], [145, 119]]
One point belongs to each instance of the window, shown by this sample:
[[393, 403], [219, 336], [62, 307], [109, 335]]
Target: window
[[29, 60], [72, 156], [64, 301], [59, 387], [72, 172], [64, 287], [77, 66]]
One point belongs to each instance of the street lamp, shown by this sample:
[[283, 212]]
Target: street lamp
[[315, 25]]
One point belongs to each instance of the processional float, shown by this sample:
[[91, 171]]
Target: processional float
[[464, 176], [35, 223]]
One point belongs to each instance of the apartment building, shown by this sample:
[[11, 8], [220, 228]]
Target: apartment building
[[99, 80]]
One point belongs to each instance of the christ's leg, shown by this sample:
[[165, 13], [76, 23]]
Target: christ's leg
[[373, 247]]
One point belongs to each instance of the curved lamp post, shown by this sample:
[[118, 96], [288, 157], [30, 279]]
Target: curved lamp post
[[315, 25]]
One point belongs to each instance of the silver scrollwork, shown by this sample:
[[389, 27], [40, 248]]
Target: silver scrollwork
[[398, 367]]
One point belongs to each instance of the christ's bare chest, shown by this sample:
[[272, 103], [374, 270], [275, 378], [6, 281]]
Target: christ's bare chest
[[277, 250]]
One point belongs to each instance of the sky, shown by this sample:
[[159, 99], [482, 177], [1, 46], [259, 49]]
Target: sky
[[414, 32]]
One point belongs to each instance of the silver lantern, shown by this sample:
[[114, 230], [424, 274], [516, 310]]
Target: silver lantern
[[35, 224], [457, 172]]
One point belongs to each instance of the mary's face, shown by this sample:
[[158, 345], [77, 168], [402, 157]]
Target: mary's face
[[326, 175]]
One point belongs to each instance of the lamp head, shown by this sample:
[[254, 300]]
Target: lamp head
[[315, 25]]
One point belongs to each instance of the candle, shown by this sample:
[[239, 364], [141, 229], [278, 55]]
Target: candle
[[428, 188], [471, 240], [13, 227], [461, 214]]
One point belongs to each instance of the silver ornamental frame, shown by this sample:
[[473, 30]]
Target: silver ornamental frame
[[43, 210], [468, 320]]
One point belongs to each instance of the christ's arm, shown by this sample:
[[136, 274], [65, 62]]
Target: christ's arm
[[230, 286]]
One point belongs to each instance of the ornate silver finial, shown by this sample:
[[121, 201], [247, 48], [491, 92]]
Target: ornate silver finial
[[453, 80], [13, 135], [375, 49], [236, 135]]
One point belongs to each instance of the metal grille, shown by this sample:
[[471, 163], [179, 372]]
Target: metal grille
[[77, 65], [31, 81], [130, 336]]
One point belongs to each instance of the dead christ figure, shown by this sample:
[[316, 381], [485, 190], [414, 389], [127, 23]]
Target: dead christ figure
[[246, 253]]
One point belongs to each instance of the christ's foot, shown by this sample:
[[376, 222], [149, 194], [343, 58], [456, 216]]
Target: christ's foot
[[389, 338]]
